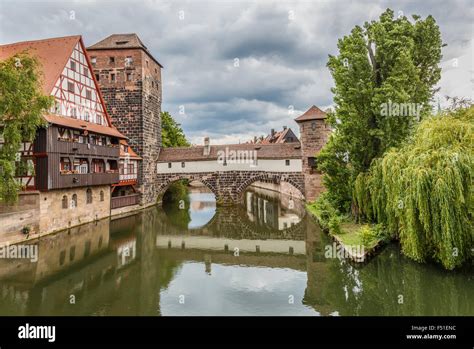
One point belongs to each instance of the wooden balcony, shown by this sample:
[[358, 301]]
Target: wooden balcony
[[82, 149], [86, 179], [122, 201]]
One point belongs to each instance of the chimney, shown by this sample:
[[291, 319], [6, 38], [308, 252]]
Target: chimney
[[284, 128], [207, 147], [273, 132]]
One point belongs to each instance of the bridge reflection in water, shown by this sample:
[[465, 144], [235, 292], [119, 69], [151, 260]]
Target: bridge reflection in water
[[265, 257]]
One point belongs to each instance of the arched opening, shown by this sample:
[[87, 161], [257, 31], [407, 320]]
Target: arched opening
[[273, 203], [189, 204]]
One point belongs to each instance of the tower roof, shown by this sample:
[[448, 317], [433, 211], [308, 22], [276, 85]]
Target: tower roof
[[122, 41], [313, 113]]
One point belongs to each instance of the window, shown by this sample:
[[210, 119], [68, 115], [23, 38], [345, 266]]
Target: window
[[112, 77], [88, 94], [153, 84], [97, 77], [57, 107], [101, 195], [99, 119], [94, 61], [128, 61], [65, 164], [70, 87], [182, 164], [311, 161], [287, 162], [98, 166], [111, 60], [74, 201], [86, 116], [73, 65], [156, 71], [87, 248], [121, 42], [131, 168], [62, 257], [74, 113], [72, 253], [129, 76], [64, 203], [89, 196], [86, 72], [169, 164], [313, 125], [146, 61]]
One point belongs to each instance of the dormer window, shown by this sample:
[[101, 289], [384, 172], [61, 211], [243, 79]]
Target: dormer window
[[121, 42]]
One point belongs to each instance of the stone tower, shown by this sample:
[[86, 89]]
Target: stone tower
[[130, 81], [314, 133]]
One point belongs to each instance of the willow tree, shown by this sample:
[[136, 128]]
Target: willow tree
[[424, 190], [171, 132], [385, 76], [22, 105]]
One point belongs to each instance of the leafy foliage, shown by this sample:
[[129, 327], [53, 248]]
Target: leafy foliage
[[385, 62], [171, 132], [424, 190], [22, 105]]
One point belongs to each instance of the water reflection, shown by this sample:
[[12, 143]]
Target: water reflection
[[146, 264]]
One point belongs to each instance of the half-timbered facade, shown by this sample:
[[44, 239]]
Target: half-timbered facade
[[74, 160]]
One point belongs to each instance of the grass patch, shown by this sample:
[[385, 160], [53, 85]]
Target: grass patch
[[343, 228]]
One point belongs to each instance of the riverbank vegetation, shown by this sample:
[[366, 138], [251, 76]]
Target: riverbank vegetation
[[392, 169]]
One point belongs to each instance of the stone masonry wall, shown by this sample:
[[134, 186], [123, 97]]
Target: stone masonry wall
[[228, 186], [133, 102], [314, 135]]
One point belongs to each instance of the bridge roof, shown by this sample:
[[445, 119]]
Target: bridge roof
[[264, 151]]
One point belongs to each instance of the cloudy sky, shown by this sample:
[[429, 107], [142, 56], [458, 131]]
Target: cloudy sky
[[240, 68]]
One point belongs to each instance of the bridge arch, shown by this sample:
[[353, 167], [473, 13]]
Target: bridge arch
[[276, 178], [208, 182]]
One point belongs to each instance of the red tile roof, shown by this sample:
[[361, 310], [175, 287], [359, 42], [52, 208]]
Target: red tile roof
[[83, 125], [131, 153], [52, 54], [264, 151], [313, 113]]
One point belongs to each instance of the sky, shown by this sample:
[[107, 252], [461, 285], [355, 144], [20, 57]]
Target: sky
[[237, 69]]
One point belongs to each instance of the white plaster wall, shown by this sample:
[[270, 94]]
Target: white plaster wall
[[214, 166]]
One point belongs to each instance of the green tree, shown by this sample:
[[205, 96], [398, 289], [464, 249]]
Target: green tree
[[171, 132], [22, 105], [423, 191], [382, 67]]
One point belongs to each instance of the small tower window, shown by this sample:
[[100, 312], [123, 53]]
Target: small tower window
[[129, 76], [97, 77], [112, 77], [89, 196], [169, 164], [182, 164], [111, 60], [287, 162], [64, 203], [101, 195], [74, 201], [313, 125], [128, 61]]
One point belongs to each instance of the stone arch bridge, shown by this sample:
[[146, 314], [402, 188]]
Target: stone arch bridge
[[227, 170]]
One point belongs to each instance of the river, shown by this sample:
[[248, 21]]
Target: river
[[263, 257]]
